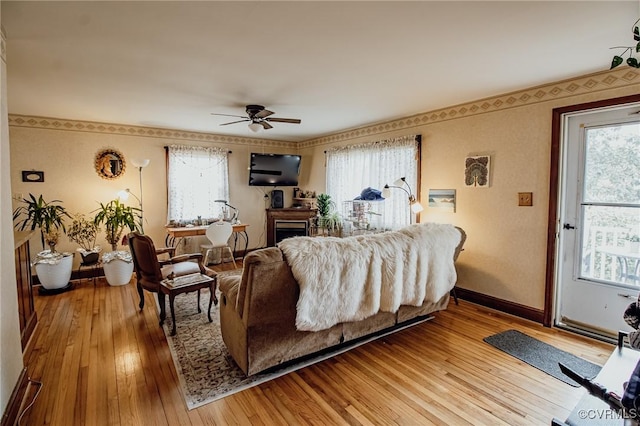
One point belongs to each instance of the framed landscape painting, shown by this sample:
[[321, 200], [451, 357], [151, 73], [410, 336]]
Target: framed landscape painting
[[443, 199]]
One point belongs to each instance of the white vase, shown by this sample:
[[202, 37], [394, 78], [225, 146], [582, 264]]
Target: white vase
[[56, 275], [116, 270]]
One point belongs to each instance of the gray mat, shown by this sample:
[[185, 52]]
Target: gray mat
[[542, 355]]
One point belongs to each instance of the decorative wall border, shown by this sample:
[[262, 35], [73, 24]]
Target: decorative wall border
[[591, 83], [17, 120]]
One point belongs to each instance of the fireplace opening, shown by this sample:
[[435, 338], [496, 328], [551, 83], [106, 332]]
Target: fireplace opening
[[290, 228]]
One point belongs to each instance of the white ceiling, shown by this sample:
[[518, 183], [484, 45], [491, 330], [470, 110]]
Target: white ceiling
[[335, 65]]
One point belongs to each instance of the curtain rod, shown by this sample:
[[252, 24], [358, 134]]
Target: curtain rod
[[228, 152], [418, 139]]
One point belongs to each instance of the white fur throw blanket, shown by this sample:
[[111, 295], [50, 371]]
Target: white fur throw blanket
[[349, 279]]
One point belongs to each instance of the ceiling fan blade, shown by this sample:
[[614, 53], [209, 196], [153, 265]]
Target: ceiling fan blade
[[229, 115], [266, 125], [284, 120], [264, 113], [234, 122]]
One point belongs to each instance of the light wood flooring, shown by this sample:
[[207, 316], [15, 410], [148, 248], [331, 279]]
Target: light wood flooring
[[102, 362]]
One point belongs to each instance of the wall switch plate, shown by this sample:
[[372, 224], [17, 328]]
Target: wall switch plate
[[525, 198]]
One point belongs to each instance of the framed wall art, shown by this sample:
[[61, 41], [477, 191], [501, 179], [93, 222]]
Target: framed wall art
[[109, 164], [443, 199], [32, 176], [476, 171]]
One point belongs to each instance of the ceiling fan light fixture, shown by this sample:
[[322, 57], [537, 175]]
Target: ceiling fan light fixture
[[254, 127]]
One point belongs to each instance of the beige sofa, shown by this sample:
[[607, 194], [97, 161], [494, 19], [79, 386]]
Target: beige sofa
[[258, 315]]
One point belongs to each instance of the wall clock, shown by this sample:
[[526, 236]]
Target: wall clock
[[109, 164]]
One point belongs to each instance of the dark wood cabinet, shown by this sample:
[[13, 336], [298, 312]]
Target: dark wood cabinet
[[283, 223], [26, 307]]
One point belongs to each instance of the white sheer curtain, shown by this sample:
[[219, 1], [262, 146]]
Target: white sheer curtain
[[197, 176], [352, 168]]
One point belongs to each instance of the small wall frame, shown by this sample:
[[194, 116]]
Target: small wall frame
[[110, 164], [32, 176]]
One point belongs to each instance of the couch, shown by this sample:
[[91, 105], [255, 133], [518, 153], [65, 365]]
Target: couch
[[258, 312]]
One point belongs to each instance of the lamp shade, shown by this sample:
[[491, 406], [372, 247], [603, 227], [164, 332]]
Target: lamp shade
[[141, 163], [386, 192], [254, 127], [399, 181], [416, 207], [123, 195]]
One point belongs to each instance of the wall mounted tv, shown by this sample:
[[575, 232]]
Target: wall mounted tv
[[274, 169]]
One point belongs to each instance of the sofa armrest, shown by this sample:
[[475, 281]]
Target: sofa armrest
[[228, 287]]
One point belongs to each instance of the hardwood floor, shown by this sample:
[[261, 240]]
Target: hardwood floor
[[102, 362]]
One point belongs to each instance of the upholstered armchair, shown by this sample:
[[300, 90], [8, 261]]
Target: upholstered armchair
[[150, 270]]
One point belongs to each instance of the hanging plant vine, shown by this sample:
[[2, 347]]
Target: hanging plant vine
[[631, 60]]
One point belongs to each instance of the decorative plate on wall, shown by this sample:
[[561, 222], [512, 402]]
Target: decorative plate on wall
[[110, 164]]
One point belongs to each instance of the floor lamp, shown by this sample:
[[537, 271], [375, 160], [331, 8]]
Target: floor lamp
[[414, 205], [140, 164]]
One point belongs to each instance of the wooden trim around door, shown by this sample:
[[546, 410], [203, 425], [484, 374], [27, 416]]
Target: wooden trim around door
[[554, 183]]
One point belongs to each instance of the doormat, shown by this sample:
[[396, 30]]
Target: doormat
[[542, 356]]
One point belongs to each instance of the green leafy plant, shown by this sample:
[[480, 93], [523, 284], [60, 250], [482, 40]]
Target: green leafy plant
[[325, 204], [116, 217], [631, 60], [332, 222], [328, 218], [48, 216], [83, 232]]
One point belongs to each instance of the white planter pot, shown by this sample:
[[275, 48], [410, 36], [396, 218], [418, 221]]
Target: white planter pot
[[54, 276], [118, 267]]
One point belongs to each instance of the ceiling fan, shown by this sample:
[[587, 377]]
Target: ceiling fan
[[259, 117]]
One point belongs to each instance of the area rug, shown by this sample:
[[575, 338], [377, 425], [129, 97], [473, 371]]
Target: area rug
[[205, 368], [542, 355]]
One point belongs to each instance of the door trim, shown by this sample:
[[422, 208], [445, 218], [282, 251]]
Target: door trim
[[554, 186]]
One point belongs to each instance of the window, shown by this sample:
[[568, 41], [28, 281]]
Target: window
[[352, 168], [197, 176]]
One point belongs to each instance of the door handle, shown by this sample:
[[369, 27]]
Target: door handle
[[626, 296], [567, 226]]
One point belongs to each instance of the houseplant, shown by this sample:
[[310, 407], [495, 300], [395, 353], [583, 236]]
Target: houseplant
[[328, 219], [53, 268], [115, 216], [84, 232]]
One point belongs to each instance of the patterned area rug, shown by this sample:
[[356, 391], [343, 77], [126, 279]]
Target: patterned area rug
[[205, 368]]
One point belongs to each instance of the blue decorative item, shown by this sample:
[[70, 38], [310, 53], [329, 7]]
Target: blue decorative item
[[370, 194]]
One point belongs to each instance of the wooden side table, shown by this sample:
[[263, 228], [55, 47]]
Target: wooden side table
[[187, 284]]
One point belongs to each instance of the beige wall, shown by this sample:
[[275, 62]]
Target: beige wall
[[10, 348], [505, 254], [67, 159]]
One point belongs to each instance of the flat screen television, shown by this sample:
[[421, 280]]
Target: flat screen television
[[274, 169]]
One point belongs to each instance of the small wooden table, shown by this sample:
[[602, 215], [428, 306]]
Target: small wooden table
[[186, 284]]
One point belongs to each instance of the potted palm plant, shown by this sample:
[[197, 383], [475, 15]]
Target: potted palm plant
[[115, 216], [53, 268]]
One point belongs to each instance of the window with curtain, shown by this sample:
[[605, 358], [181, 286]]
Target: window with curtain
[[352, 168], [197, 176]]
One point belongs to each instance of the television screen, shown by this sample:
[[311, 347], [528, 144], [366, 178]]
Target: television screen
[[274, 169]]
